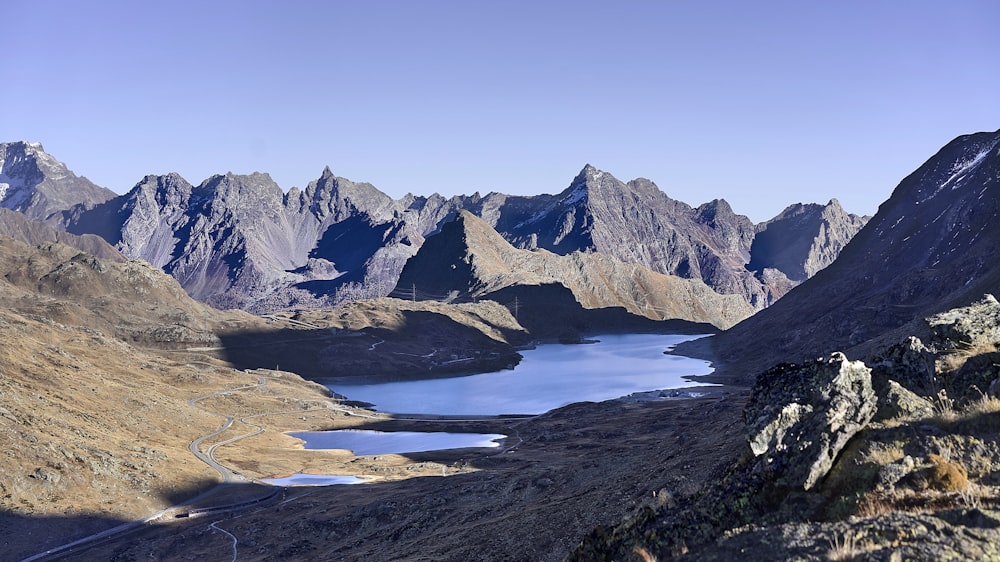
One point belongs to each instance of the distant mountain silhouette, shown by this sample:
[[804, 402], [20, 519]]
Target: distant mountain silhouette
[[36, 184]]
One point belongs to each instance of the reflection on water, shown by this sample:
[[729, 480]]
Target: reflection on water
[[366, 442], [549, 377]]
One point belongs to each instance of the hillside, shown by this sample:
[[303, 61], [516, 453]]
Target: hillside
[[930, 247], [469, 260]]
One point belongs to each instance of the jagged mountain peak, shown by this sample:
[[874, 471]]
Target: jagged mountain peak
[[468, 259], [715, 209], [803, 239], [37, 184], [239, 240], [331, 197]]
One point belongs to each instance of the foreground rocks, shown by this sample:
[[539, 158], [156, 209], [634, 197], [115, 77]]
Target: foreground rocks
[[800, 417], [839, 468]]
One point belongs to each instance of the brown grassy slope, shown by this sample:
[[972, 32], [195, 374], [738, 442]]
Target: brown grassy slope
[[95, 429]]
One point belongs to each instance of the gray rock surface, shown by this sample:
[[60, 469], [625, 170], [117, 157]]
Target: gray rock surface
[[899, 402], [799, 417], [967, 327], [910, 363], [36, 184], [803, 239], [239, 241]]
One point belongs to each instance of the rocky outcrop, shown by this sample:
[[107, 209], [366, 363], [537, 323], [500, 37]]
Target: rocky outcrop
[[36, 184], [469, 260], [799, 417], [917, 476], [968, 327], [897, 401]]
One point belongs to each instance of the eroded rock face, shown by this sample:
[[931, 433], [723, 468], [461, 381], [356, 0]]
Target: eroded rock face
[[469, 259], [930, 247], [36, 184], [799, 417]]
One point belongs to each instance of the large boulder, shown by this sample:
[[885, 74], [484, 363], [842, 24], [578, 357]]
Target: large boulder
[[799, 417]]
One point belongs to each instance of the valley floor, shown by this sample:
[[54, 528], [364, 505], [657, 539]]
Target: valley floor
[[558, 477]]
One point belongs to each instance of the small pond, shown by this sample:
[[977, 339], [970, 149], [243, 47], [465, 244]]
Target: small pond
[[313, 480], [366, 442]]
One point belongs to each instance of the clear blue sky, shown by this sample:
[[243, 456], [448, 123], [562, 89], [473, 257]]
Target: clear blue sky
[[761, 103]]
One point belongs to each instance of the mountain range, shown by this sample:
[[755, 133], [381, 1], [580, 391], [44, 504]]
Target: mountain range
[[240, 241]]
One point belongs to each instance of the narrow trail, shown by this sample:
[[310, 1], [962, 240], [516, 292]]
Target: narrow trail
[[232, 536]]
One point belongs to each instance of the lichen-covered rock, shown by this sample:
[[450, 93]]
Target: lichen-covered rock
[[892, 473], [910, 363], [967, 327], [799, 417], [899, 402]]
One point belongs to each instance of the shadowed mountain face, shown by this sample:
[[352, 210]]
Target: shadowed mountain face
[[19, 227], [931, 247], [238, 241]]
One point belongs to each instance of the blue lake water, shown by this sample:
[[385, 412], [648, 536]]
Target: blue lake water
[[366, 442], [548, 377]]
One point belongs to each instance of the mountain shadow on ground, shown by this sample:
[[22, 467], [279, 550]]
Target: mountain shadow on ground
[[551, 312]]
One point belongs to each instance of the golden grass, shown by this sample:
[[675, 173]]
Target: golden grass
[[843, 548]]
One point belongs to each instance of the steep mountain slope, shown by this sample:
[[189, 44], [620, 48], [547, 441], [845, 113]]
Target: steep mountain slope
[[469, 260], [36, 184], [932, 246], [238, 241]]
